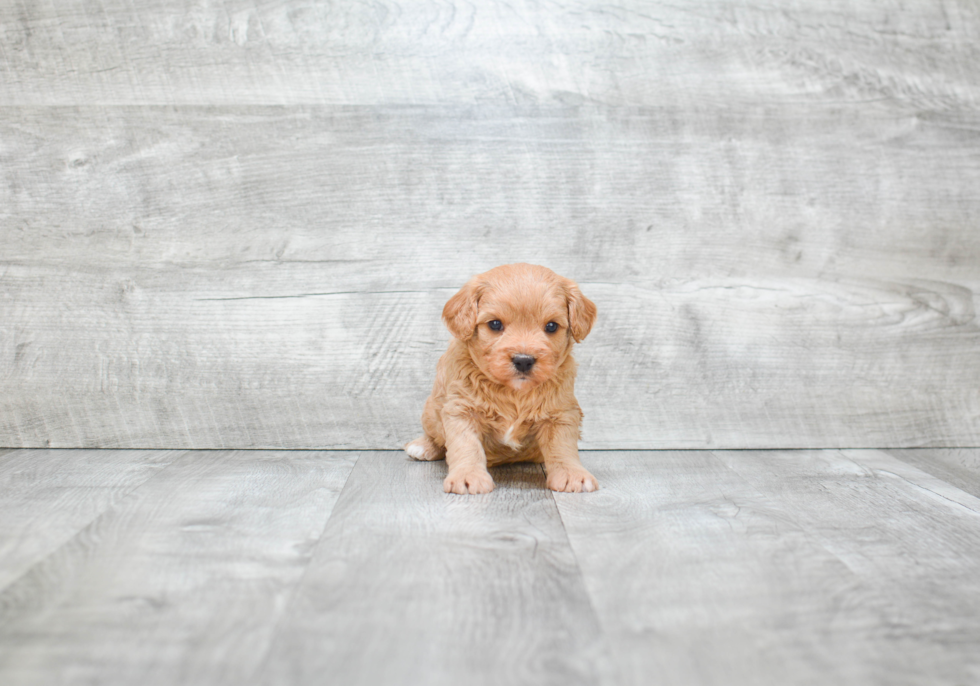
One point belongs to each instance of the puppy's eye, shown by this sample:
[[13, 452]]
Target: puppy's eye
[[496, 324], [551, 327]]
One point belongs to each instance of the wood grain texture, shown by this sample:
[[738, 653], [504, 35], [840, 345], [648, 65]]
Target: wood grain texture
[[48, 496], [913, 541], [798, 567], [252, 278], [410, 585], [625, 53], [233, 225], [687, 567], [183, 582], [960, 468]]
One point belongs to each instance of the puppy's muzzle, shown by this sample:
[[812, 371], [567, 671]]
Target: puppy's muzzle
[[523, 363]]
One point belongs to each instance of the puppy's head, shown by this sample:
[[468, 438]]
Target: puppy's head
[[519, 322]]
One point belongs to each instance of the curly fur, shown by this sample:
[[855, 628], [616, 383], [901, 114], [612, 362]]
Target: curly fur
[[483, 410]]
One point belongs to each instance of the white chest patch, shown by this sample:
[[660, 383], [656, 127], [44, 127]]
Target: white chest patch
[[509, 440]]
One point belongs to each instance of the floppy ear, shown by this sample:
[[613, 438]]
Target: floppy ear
[[461, 310], [581, 312]]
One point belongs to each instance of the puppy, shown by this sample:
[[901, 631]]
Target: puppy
[[504, 390]]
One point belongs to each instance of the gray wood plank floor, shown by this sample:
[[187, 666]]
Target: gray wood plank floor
[[181, 582], [54, 494], [687, 567]]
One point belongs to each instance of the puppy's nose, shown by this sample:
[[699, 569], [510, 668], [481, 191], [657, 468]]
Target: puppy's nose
[[523, 363]]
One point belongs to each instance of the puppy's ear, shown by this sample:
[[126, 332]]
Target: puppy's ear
[[461, 310], [581, 312]]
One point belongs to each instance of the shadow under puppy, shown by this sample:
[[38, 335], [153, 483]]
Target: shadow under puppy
[[504, 390]]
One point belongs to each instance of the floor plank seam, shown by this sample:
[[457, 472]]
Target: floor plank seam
[[288, 607], [113, 509], [603, 628], [812, 537]]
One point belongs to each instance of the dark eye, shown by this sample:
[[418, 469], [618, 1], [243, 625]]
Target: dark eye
[[551, 327], [495, 324]]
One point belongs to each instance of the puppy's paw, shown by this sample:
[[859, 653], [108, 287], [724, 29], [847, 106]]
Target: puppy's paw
[[571, 480], [424, 449], [468, 480]]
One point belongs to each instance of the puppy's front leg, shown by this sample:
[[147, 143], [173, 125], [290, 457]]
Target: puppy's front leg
[[465, 458], [559, 446]]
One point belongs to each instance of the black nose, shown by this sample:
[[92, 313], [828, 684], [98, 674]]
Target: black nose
[[523, 363]]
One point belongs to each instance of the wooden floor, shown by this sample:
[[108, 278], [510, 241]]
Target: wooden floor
[[693, 567]]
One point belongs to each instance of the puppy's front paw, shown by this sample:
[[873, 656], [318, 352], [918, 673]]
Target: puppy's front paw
[[424, 449], [571, 480], [470, 480]]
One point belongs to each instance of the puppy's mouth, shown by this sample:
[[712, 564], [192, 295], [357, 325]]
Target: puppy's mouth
[[522, 381]]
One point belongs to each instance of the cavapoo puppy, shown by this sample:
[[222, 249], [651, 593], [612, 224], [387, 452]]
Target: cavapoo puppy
[[504, 390]]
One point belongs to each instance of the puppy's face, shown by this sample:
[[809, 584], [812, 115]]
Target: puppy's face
[[519, 322]]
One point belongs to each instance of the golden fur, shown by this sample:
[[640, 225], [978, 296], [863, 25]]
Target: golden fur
[[483, 410]]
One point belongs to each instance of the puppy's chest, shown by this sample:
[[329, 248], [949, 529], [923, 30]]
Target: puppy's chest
[[511, 432]]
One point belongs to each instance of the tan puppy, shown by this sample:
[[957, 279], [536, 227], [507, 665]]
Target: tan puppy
[[504, 390]]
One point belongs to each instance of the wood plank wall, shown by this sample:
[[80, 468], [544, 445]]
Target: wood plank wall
[[233, 224]]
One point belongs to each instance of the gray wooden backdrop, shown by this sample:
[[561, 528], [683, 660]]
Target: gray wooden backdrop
[[234, 224]]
